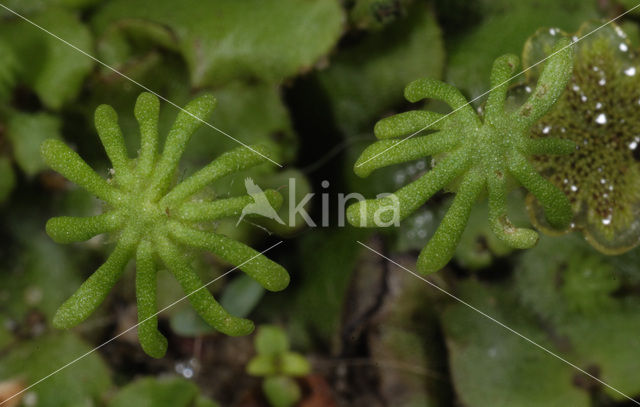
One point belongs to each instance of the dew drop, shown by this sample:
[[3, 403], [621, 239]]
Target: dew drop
[[553, 31], [596, 69], [574, 188], [576, 88], [631, 71], [606, 221], [601, 119], [598, 106], [623, 47], [603, 181], [546, 129], [583, 98], [602, 82], [527, 89], [633, 145]]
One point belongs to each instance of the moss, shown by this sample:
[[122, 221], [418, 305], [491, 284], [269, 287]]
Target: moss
[[153, 221], [600, 112], [480, 152]]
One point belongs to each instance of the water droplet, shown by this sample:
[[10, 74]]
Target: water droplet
[[603, 181], [574, 188], [576, 88], [546, 129], [619, 31], [527, 89], [583, 98], [575, 39], [602, 82], [598, 106], [187, 373], [606, 221], [631, 71], [633, 145], [553, 31], [596, 69], [623, 47], [601, 118]]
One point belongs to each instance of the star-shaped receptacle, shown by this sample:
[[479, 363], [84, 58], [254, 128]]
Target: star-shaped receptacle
[[153, 222], [475, 153]]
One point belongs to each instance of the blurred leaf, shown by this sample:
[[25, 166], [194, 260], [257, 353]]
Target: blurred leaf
[[493, 367], [503, 28], [252, 114], [281, 391], [8, 65], [328, 256], [294, 364], [80, 384], [573, 287], [45, 275], [241, 296], [368, 78], [271, 340], [262, 365], [160, 392], [227, 39], [53, 69], [27, 131], [375, 14], [7, 178]]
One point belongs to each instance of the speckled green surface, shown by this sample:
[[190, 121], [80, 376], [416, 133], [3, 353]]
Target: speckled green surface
[[153, 221], [480, 152]]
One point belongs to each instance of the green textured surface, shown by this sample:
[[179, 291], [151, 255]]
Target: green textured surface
[[480, 153], [146, 212]]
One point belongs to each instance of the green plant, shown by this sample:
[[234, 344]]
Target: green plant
[[153, 221], [599, 112], [278, 365], [480, 152]]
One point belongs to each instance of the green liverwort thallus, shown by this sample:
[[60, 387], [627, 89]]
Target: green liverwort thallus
[[479, 153], [153, 220]]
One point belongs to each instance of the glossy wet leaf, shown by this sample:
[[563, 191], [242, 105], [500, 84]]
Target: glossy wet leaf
[[226, 40], [599, 112]]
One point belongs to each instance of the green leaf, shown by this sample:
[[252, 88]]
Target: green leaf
[[241, 296], [53, 69], [226, 40], [262, 365], [366, 79], [294, 364], [7, 178], [503, 28], [271, 340], [493, 367], [27, 131], [281, 391], [154, 392], [46, 274], [80, 384]]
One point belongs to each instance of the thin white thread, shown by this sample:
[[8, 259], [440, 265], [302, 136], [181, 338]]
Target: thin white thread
[[134, 326], [134, 81], [499, 323], [497, 86]]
